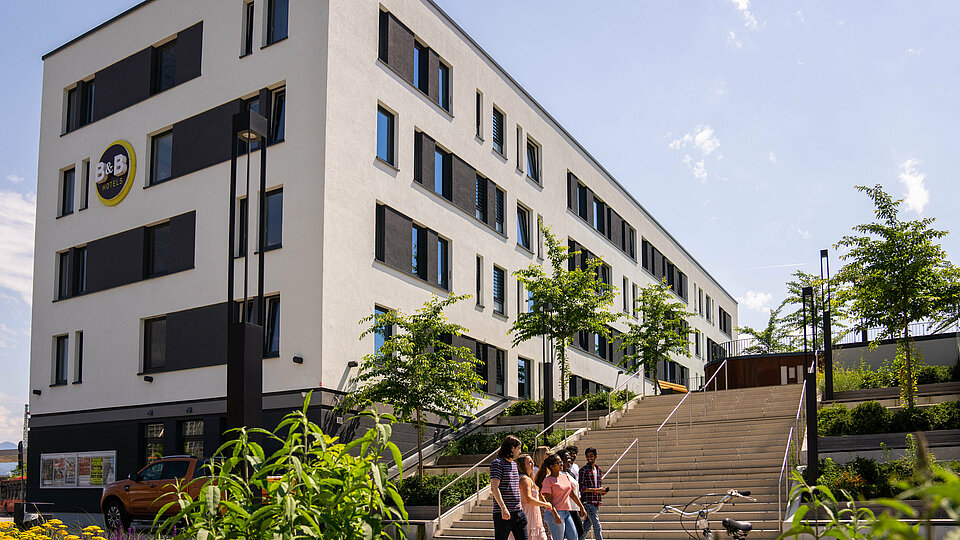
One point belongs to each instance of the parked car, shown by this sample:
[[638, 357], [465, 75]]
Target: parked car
[[142, 494]]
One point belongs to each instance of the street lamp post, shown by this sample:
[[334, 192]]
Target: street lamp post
[[827, 330], [810, 382], [548, 373]]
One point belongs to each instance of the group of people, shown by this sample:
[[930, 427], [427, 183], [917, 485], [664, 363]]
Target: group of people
[[545, 496]]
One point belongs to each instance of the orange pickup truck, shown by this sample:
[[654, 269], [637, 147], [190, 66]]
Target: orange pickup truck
[[142, 494]]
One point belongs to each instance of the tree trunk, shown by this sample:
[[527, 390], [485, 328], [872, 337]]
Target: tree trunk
[[419, 446]]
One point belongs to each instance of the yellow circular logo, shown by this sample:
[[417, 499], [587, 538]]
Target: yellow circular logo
[[115, 172]]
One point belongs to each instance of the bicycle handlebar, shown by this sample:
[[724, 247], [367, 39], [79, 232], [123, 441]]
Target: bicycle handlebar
[[731, 494]]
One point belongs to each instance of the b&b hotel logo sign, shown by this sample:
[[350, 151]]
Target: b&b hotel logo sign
[[115, 172]]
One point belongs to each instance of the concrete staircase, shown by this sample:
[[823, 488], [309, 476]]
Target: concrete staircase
[[737, 444]]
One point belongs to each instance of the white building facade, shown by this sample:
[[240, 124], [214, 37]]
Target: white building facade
[[402, 162]]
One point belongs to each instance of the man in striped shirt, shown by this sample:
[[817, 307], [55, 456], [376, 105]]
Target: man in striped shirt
[[508, 517], [591, 492]]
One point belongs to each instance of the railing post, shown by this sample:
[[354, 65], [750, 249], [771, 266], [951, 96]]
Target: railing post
[[658, 450], [638, 460], [726, 375], [618, 487], [476, 476]]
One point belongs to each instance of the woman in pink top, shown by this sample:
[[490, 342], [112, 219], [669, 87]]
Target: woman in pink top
[[558, 489], [531, 502]]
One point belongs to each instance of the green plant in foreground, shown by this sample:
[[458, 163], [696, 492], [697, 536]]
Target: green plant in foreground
[[312, 487]]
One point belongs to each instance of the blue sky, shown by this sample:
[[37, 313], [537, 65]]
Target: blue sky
[[741, 126]]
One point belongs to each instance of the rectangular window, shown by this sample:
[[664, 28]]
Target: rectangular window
[[442, 263], [417, 256], [161, 157], [632, 244], [499, 291], [277, 14], [379, 338], [479, 280], [633, 303], [383, 47], [501, 372], [85, 185], [243, 220], [61, 353], [420, 67], [498, 131], [157, 250], [481, 198], [79, 270], [499, 211], [519, 148], [191, 437], [271, 327], [530, 305], [73, 106], [626, 295], [63, 275], [385, 134], [539, 237], [164, 66], [481, 369], [79, 105], [533, 161], [599, 216], [153, 441], [443, 80], [86, 102], [709, 308], [441, 174], [278, 116], [67, 179], [78, 370], [523, 378], [523, 227], [696, 343], [247, 28], [582, 201], [273, 237], [154, 343], [700, 301], [479, 115]]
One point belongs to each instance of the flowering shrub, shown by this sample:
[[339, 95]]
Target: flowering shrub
[[50, 530]]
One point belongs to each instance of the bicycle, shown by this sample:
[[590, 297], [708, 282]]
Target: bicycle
[[735, 529]]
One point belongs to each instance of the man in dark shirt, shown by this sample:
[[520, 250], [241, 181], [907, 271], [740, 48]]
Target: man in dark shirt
[[508, 517], [591, 492]]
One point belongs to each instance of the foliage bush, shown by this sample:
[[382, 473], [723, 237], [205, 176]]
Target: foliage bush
[[833, 420], [933, 374], [910, 419], [422, 491], [946, 415], [484, 443], [862, 377], [597, 401], [870, 417]]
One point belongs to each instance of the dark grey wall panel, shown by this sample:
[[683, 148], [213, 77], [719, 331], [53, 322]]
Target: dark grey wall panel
[[400, 48], [182, 242], [572, 192], [204, 139], [492, 205], [589, 207], [397, 239], [197, 337], [615, 230], [123, 84], [115, 260], [424, 149], [189, 53], [464, 185], [431, 274], [433, 75]]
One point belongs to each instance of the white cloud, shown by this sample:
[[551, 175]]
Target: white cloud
[[917, 195], [757, 301], [914, 52], [800, 16], [11, 425], [743, 6], [18, 212], [696, 167], [732, 40], [805, 234], [701, 138], [772, 157], [15, 179]]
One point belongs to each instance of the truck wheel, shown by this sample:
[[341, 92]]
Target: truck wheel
[[115, 517]]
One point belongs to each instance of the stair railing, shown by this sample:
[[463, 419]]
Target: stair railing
[[783, 470], [621, 385], [564, 418], [796, 437], [617, 462], [713, 378]]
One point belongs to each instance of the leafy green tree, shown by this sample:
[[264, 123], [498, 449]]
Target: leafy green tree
[[312, 487], [793, 320], [661, 332], [416, 371], [896, 274], [578, 300], [774, 338]]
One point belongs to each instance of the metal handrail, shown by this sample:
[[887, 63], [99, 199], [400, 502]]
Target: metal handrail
[[617, 462], [617, 389], [796, 421], [704, 390], [783, 468], [577, 406]]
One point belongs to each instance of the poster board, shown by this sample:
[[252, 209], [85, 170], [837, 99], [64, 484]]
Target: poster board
[[78, 470]]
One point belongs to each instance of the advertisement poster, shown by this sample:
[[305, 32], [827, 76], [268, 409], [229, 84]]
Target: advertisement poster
[[58, 470], [85, 469]]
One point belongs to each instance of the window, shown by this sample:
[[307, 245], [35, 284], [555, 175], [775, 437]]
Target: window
[[67, 178], [709, 308], [63, 275], [153, 442], [498, 131], [60, 359], [441, 174], [479, 114], [499, 211], [442, 254], [633, 303], [243, 219], [247, 28], [582, 201], [273, 236], [700, 301], [499, 292], [85, 189], [479, 291], [530, 304], [86, 102], [78, 371], [73, 105], [420, 67], [523, 227], [79, 276], [603, 273], [271, 328], [417, 256], [481, 198], [533, 161], [379, 338], [599, 215], [600, 345], [696, 343], [481, 369], [384, 37], [277, 11], [539, 237], [154, 343], [501, 373], [278, 116], [523, 378], [385, 131], [191, 437], [79, 105], [161, 157], [164, 67], [519, 148], [443, 80], [626, 297], [157, 249]]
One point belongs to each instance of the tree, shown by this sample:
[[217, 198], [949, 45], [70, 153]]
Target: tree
[[577, 299], [897, 274], [416, 371], [793, 321], [661, 332], [774, 338]]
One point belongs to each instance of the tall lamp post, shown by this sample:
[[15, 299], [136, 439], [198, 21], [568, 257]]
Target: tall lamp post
[[547, 370], [827, 330], [245, 338], [810, 382]]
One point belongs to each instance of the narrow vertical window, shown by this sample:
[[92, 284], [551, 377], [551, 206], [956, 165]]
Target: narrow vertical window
[[632, 244], [442, 263], [533, 161], [78, 371], [273, 236], [278, 116], [416, 255], [73, 109], [277, 14], [498, 131], [443, 81], [582, 201], [63, 275], [599, 215], [479, 114], [481, 198], [157, 250], [379, 338], [85, 185], [247, 28], [153, 442], [442, 184], [523, 226], [67, 179], [164, 67], [420, 67], [530, 305], [539, 237], [384, 37], [86, 102], [499, 211], [633, 301], [385, 131], [499, 293], [271, 329], [626, 295], [79, 270], [161, 157], [191, 437], [479, 291], [60, 360], [523, 378], [154, 343], [519, 148], [501, 372]]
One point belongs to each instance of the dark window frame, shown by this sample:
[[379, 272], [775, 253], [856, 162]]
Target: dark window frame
[[533, 160], [164, 72], [267, 218], [85, 186], [499, 211], [61, 359], [388, 136], [481, 199], [421, 69], [248, 12], [524, 390], [443, 263], [156, 250], [63, 275], [499, 291], [523, 227], [443, 173], [479, 119], [78, 372], [278, 115], [155, 142], [78, 274], [68, 181], [274, 32], [271, 326], [443, 85], [154, 358], [499, 119], [378, 336], [190, 438]]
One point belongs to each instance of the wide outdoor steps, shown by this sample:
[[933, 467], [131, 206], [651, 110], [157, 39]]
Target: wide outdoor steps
[[719, 441]]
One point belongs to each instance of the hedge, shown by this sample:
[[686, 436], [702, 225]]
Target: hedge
[[484, 443], [422, 491], [871, 417], [597, 402]]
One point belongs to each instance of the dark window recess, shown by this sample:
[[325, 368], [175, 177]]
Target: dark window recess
[[499, 290], [417, 251], [161, 157], [154, 343], [498, 131], [191, 444], [67, 180], [243, 219], [164, 67], [157, 250], [271, 328], [379, 338], [80, 105], [383, 44], [153, 441], [85, 190], [73, 109], [582, 208], [442, 179], [599, 215], [60, 360], [442, 263], [420, 67], [278, 116], [410, 248], [481, 368], [481, 199], [725, 321], [277, 15], [385, 135], [500, 388], [443, 83], [479, 114], [533, 161], [79, 271], [274, 220], [78, 376], [248, 28], [479, 291], [523, 378], [523, 227], [499, 211]]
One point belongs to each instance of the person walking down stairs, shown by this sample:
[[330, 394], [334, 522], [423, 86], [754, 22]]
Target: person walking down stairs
[[591, 492], [508, 516], [557, 488], [532, 502]]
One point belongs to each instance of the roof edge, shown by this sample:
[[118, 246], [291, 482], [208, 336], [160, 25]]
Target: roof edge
[[95, 28]]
